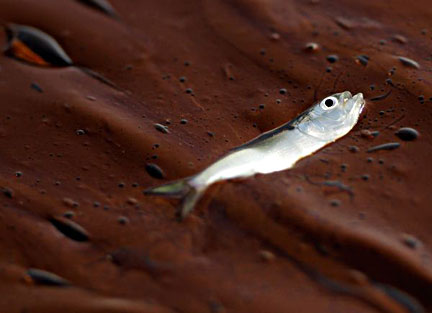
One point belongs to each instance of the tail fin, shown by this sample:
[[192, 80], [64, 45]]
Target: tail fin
[[189, 194]]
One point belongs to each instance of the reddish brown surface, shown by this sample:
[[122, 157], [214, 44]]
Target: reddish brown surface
[[267, 244]]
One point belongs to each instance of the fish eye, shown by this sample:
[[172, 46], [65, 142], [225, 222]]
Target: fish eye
[[328, 103]]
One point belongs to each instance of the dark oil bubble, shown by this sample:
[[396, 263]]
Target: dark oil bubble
[[410, 241], [36, 87], [123, 220], [389, 82], [385, 146], [189, 90], [45, 278], [365, 177], [362, 59], [333, 58], [162, 128], [311, 46], [335, 202], [69, 214], [34, 46], [182, 79], [154, 171], [407, 133], [282, 91], [80, 132], [18, 174], [353, 149], [344, 167], [409, 62], [7, 192], [70, 229], [101, 5], [183, 121]]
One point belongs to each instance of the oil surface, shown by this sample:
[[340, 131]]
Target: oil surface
[[178, 84]]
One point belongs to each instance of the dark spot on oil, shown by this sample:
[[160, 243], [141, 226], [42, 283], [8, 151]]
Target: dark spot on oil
[[186, 63], [189, 90], [154, 171], [162, 128], [363, 59], [18, 174], [36, 87], [182, 79], [329, 69], [7, 192], [385, 146], [407, 134], [101, 5], [282, 91], [96, 204], [70, 229], [123, 220], [69, 214], [353, 149], [375, 133], [370, 160], [41, 277], [332, 58], [344, 167], [389, 82], [121, 185], [80, 132], [211, 134], [183, 121], [262, 106], [335, 202], [365, 177], [410, 241]]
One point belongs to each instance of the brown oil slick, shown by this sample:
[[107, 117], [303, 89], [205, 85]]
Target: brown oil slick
[[78, 235]]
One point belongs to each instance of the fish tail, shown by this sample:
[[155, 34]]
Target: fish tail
[[189, 194]]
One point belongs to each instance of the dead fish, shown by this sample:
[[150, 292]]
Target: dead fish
[[276, 150]]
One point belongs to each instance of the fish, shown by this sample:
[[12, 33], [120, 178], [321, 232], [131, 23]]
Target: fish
[[276, 150]]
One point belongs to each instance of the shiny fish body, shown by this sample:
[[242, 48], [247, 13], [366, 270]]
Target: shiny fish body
[[275, 150], [275, 154]]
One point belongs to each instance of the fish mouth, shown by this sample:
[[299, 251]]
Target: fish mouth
[[354, 104]]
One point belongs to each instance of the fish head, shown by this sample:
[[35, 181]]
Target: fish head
[[333, 117]]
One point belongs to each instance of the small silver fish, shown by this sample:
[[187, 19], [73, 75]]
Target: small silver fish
[[276, 150]]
